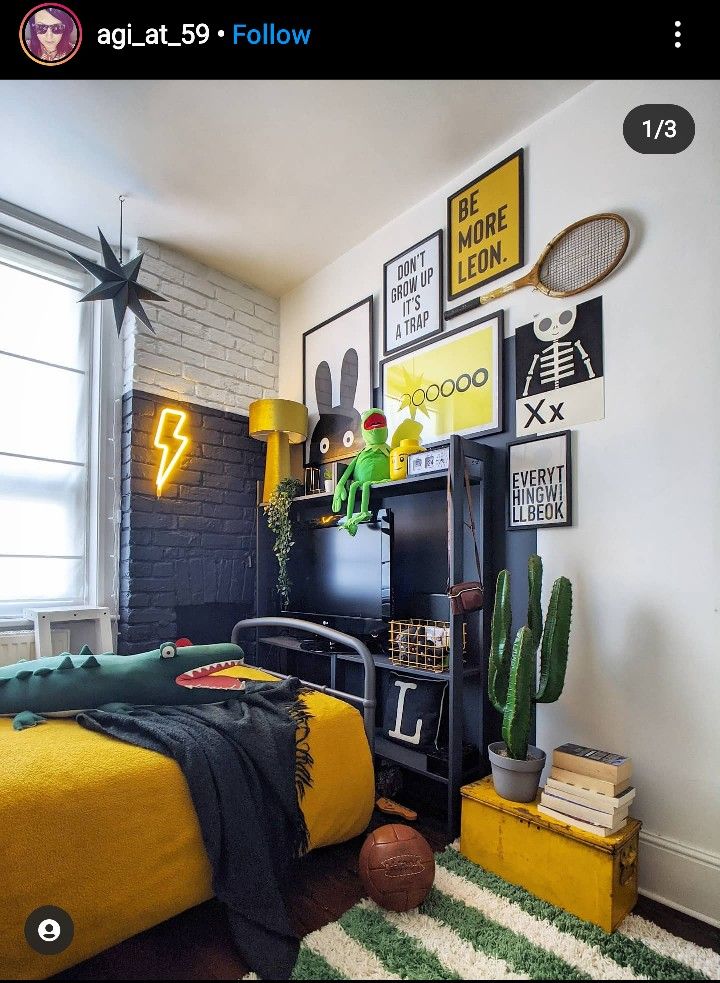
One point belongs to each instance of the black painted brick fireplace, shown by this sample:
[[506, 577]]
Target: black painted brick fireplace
[[193, 548]]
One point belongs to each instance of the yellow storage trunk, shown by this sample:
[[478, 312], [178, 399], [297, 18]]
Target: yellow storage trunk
[[593, 877]]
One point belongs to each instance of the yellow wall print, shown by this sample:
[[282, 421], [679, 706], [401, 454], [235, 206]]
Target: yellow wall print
[[452, 385], [486, 227]]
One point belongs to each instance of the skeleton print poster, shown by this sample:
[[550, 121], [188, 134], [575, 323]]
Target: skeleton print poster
[[559, 368]]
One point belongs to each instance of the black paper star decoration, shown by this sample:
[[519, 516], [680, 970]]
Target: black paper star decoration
[[119, 284]]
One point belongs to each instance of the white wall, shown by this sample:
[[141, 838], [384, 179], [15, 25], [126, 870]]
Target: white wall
[[216, 338], [644, 670]]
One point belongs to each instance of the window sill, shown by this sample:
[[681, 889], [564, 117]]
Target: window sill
[[23, 624]]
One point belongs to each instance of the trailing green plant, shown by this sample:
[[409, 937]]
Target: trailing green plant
[[512, 675], [279, 522]]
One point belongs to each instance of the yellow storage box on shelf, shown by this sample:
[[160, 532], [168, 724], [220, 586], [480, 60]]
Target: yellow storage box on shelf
[[593, 877]]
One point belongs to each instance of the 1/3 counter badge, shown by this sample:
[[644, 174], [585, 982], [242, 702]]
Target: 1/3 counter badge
[[659, 128]]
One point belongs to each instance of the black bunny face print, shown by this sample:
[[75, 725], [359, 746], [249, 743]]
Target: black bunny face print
[[337, 434]]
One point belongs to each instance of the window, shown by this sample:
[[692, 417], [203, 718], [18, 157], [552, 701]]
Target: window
[[49, 436]]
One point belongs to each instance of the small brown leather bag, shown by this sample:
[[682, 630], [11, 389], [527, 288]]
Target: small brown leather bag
[[466, 597]]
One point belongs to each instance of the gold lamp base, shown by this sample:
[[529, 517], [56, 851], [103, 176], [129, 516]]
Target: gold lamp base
[[277, 462], [278, 422]]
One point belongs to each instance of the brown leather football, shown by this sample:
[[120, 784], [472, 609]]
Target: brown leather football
[[397, 867]]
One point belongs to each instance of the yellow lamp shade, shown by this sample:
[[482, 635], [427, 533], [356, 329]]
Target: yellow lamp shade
[[279, 422], [278, 416]]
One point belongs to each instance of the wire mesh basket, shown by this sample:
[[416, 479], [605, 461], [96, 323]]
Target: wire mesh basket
[[418, 643]]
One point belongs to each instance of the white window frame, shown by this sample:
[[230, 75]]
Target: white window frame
[[45, 256]]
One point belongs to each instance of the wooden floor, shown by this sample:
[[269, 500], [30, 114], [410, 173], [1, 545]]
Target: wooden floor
[[196, 945]]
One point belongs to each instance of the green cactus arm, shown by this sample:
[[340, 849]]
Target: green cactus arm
[[554, 651], [500, 647], [535, 618], [518, 711]]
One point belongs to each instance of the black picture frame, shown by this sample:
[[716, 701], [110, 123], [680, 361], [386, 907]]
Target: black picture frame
[[498, 316], [438, 234], [520, 154], [360, 397], [568, 484]]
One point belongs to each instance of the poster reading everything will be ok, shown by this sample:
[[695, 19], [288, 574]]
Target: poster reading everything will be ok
[[413, 285]]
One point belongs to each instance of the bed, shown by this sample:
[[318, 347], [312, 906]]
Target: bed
[[107, 830]]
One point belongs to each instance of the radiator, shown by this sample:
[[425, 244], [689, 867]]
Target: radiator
[[17, 645]]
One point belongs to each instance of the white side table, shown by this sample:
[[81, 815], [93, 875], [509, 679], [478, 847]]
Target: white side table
[[44, 618]]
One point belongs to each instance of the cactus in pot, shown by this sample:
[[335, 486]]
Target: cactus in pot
[[514, 684]]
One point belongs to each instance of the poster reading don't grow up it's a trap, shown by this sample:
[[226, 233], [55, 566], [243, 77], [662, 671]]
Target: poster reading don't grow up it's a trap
[[559, 379]]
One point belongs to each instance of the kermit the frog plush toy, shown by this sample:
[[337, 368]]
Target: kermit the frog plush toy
[[371, 465]]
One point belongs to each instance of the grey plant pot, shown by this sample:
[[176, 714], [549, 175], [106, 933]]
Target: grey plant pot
[[517, 781]]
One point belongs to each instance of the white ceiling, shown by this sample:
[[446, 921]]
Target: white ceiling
[[266, 180]]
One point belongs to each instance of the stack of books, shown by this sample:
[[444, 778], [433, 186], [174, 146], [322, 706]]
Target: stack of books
[[589, 789]]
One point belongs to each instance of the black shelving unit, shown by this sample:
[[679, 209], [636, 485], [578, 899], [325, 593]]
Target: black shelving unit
[[419, 571]]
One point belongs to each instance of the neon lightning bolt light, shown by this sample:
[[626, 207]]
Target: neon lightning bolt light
[[170, 457]]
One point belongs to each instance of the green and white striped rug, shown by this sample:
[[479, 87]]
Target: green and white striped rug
[[475, 926]]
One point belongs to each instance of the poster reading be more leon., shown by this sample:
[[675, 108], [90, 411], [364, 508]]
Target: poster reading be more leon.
[[485, 227]]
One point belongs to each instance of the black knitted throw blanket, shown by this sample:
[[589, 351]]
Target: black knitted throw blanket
[[247, 764]]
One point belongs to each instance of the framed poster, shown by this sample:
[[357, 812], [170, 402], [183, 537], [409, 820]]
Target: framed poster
[[540, 482], [559, 374], [451, 385], [413, 294], [486, 227], [337, 383]]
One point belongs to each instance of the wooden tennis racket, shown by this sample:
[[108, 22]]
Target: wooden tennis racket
[[577, 258]]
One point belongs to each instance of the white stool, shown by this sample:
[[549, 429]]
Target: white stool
[[44, 618]]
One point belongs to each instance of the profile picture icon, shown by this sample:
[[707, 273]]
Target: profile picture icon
[[49, 930], [50, 34]]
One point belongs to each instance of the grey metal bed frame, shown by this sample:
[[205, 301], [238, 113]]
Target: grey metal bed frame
[[366, 701]]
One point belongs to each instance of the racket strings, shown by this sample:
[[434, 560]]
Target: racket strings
[[582, 255]]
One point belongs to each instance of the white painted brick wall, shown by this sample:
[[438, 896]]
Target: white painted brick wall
[[217, 339]]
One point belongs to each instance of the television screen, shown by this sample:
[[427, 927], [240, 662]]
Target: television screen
[[335, 574]]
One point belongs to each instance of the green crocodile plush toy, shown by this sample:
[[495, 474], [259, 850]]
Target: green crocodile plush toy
[[65, 685], [371, 465]]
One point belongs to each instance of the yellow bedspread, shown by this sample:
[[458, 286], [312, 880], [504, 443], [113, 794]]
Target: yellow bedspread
[[108, 832]]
